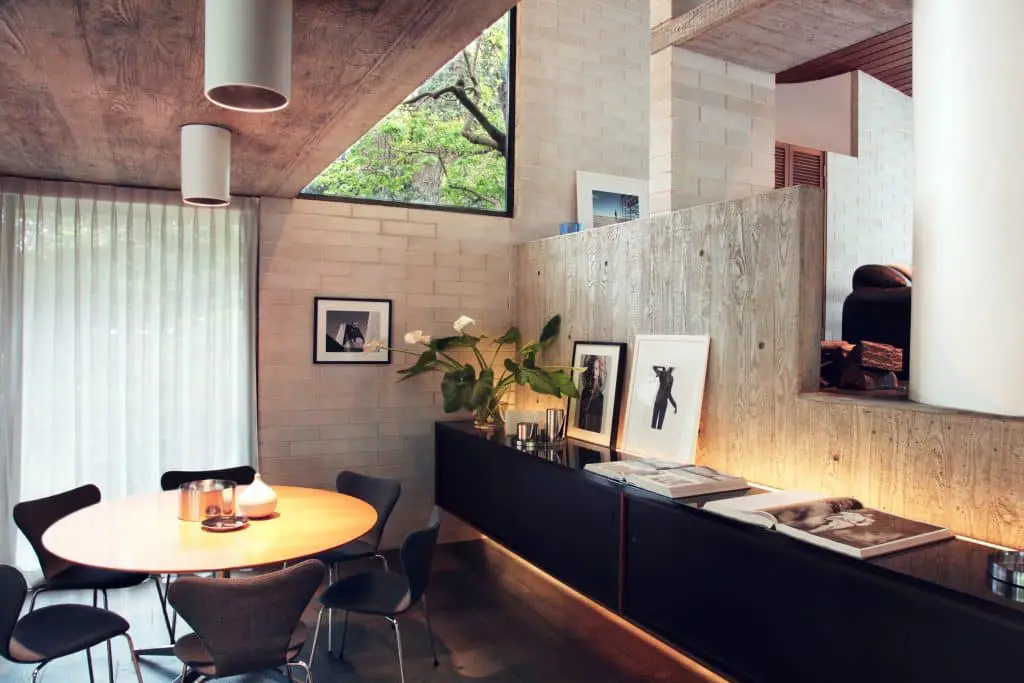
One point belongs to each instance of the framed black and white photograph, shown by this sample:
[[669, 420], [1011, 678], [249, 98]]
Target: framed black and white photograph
[[598, 368], [666, 391], [351, 330], [606, 199]]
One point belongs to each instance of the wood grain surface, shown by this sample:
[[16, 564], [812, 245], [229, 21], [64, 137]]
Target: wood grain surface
[[749, 273], [775, 35], [143, 533], [96, 90]]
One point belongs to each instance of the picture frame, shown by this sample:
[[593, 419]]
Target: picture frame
[[667, 370], [342, 326], [606, 199], [594, 416]]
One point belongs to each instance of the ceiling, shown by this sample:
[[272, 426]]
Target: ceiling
[[95, 90], [776, 35], [887, 57]]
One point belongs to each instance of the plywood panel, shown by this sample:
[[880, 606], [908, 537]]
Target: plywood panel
[[749, 273]]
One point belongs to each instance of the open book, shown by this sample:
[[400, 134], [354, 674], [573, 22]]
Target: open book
[[671, 480], [839, 524]]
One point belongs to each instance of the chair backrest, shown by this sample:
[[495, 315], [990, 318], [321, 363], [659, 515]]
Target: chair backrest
[[34, 517], [382, 494], [241, 475], [246, 623], [12, 597], [417, 554]]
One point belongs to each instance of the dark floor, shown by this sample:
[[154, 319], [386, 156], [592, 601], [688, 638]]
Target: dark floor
[[495, 621]]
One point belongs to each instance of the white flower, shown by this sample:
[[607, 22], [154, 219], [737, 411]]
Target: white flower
[[373, 347], [462, 323], [417, 337]]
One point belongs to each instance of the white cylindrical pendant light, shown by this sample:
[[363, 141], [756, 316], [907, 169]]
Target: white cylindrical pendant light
[[205, 165], [249, 54]]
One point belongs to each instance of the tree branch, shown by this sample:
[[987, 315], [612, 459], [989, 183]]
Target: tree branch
[[498, 139], [474, 194]]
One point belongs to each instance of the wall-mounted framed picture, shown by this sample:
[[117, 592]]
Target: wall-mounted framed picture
[[344, 328], [598, 369], [666, 390], [607, 199]]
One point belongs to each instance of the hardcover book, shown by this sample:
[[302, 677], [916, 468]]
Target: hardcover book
[[843, 525], [668, 479]]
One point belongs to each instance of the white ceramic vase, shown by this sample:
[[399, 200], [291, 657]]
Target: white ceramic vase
[[258, 499]]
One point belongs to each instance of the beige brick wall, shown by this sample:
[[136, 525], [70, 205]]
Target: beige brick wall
[[316, 420], [663, 10], [712, 130], [870, 197], [582, 103]]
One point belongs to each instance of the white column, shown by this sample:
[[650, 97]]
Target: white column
[[967, 328]]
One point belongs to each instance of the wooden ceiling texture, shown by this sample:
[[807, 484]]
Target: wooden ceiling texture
[[95, 90], [776, 35], [887, 57]]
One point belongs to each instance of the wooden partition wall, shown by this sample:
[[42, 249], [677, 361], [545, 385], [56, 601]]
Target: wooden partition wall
[[749, 273]]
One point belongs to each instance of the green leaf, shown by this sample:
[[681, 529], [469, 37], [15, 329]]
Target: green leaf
[[540, 383], [564, 383], [462, 341], [425, 363], [530, 361], [511, 337], [512, 366], [457, 388], [550, 330], [483, 390]]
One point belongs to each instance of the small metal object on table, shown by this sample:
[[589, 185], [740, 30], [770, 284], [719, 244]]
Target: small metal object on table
[[1007, 571], [143, 534]]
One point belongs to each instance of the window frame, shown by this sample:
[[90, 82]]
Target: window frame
[[510, 159]]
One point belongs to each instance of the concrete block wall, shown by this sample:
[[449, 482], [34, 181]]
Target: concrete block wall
[[582, 103], [712, 130], [316, 420], [870, 197]]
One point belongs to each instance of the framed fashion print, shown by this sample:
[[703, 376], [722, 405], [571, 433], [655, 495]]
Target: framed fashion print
[[351, 330], [666, 391], [598, 369]]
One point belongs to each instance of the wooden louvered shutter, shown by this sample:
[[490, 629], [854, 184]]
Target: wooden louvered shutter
[[798, 166], [781, 164]]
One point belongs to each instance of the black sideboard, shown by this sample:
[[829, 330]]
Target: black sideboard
[[751, 604]]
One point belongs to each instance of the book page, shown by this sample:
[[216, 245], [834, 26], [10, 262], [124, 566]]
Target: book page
[[856, 527]]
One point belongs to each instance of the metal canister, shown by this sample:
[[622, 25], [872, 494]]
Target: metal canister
[[205, 498]]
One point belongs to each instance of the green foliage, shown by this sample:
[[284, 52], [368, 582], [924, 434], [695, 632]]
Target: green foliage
[[424, 152]]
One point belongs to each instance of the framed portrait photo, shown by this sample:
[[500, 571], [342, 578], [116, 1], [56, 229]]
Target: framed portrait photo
[[598, 369], [666, 390], [607, 199], [344, 328]]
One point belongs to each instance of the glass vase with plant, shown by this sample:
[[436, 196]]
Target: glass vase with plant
[[477, 386]]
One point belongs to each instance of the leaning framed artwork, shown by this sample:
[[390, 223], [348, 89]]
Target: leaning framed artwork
[[666, 391], [607, 199], [598, 368], [351, 330]]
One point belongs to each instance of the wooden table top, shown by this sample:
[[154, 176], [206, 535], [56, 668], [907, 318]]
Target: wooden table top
[[143, 533]]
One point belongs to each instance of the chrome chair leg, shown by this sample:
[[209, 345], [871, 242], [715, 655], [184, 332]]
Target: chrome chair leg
[[301, 665], [110, 651], [398, 648], [383, 560], [330, 612], [88, 659], [135, 659], [430, 630], [35, 594], [36, 671], [316, 635]]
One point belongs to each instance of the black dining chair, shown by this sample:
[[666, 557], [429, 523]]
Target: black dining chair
[[241, 475], [34, 517], [386, 594], [244, 625], [380, 493], [52, 632]]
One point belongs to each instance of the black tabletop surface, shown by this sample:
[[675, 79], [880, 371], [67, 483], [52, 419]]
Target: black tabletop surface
[[956, 565]]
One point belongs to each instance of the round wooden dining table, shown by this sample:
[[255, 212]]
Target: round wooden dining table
[[142, 533]]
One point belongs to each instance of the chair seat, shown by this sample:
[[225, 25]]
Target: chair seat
[[51, 632], [353, 550], [79, 576], [191, 650], [376, 592]]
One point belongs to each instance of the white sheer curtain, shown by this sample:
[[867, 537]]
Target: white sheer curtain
[[137, 331]]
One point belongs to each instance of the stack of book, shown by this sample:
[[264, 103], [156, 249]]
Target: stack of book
[[668, 479]]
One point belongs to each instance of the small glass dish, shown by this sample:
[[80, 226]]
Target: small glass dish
[[232, 523]]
